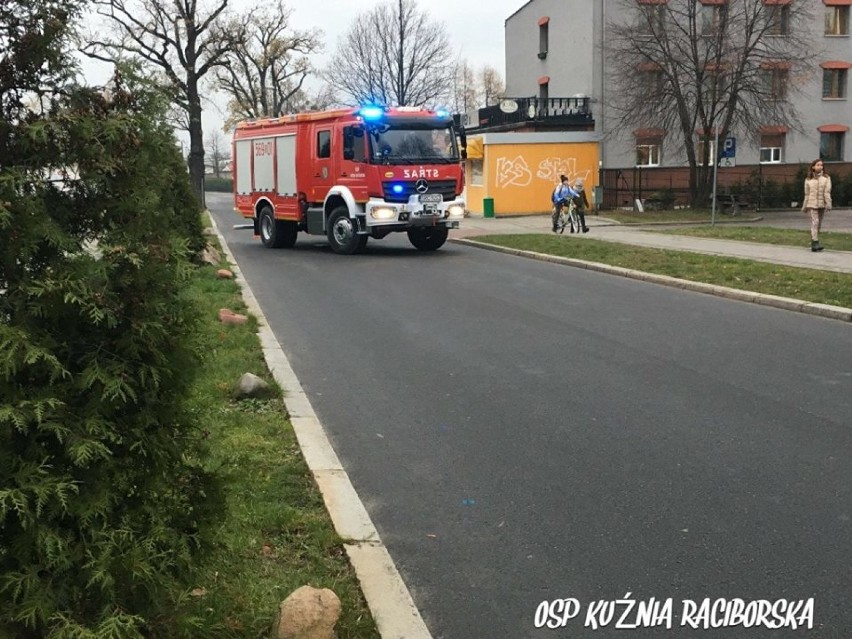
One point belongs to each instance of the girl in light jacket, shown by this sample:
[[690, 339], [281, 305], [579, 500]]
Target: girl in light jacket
[[817, 200]]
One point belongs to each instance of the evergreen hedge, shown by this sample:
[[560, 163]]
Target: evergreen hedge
[[104, 502], [219, 185]]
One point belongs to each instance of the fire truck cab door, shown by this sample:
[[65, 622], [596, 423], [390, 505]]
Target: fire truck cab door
[[322, 177], [351, 159]]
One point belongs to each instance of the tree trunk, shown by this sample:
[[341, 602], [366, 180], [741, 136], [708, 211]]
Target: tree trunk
[[196, 142]]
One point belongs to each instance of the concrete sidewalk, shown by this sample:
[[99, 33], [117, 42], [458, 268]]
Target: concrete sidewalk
[[608, 230]]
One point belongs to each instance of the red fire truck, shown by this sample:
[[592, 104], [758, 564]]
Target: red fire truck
[[350, 174]]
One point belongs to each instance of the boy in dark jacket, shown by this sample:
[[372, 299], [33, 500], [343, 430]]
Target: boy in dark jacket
[[581, 203]]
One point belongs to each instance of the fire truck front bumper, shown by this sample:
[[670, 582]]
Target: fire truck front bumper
[[412, 214]]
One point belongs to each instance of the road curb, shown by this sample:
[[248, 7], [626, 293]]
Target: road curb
[[787, 303], [387, 596]]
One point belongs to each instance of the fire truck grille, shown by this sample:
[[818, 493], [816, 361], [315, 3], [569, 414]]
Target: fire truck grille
[[447, 188]]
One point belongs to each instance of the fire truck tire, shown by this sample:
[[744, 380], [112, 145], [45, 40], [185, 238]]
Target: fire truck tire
[[341, 232], [428, 239], [276, 233], [288, 232]]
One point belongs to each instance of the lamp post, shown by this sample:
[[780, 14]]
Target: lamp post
[[715, 174]]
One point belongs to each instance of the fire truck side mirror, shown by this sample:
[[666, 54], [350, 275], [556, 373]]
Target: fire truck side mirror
[[462, 142]]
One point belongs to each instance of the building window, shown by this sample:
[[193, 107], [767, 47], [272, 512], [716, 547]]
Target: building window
[[713, 84], [772, 148], [775, 83], [713, 18], [778, 19], [711, 152], [834, 83], [837, 21], [543, 36], [648, 154], [651, 19], [654, 82], [770, 155], [652, 78], [831, 147], [544, 93], [476, 167]]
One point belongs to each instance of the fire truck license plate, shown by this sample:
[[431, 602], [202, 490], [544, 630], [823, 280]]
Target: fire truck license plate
[[431, 198]]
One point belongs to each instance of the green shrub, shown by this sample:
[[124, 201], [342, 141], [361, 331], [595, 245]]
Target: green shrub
[[221, 185], [666, 198], [841, 189], [104, 502]]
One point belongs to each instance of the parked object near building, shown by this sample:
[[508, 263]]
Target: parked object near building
[[350, 174]]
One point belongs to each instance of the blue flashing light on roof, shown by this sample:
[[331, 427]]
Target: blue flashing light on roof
[[371, 112], [397, 188], [442, 113]]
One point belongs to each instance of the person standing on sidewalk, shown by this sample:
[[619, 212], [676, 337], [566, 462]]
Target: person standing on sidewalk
[[817, 200], [581, 202]]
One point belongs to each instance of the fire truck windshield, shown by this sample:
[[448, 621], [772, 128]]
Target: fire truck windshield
[[407, 144]]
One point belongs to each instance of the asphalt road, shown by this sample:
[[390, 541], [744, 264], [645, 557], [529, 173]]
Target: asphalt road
[[522, 432]]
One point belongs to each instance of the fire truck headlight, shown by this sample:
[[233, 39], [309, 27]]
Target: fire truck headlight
[[456, 210], [383, 213]]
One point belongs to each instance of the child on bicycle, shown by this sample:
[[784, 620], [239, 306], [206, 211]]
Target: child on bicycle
[[562, 195]]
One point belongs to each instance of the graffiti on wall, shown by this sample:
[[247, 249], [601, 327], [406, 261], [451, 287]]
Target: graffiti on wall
[[513, 172], [516, 172], [551, 168]]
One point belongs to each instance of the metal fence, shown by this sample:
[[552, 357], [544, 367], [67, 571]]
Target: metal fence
[[762, 186]]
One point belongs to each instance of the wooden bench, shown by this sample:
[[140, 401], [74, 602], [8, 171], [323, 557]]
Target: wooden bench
[[732, 204]]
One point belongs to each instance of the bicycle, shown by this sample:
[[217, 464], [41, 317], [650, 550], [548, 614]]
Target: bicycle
[[568, 217]]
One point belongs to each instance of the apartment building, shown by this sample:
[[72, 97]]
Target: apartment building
[[557, 48]]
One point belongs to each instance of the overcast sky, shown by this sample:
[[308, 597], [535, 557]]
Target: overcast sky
[[475, 28]]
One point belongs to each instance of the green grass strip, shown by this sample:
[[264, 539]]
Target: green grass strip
[[765, 235], [277, 535], [799, 283]]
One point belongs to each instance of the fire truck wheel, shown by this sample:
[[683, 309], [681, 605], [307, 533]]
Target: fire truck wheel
[[276, 233], [428, 239], [341, 232], [288, 232]]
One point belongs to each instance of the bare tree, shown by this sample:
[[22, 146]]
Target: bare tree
[[297, 102], [268, 63], [683, 67], [182, 40], [393, 54], [217, 151], [492, 85], [465, 90]]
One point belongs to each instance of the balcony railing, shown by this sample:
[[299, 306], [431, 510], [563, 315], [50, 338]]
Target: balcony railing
[[551, 112]]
